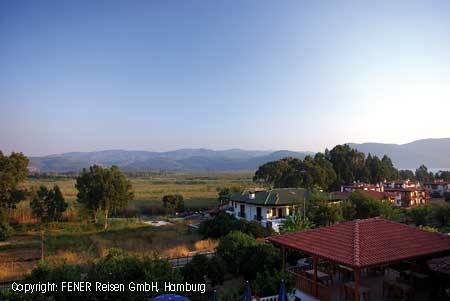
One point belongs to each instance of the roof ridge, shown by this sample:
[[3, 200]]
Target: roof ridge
[[356, 249]]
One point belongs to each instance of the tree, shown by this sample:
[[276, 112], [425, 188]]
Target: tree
[[48, 205], [311, 172], [232, 249], [296, 223], [259, 258], [224, 193], [173, 202], [422, 174], [348, 164], [443, 175], [406, 175], [362, 206], [13, 170], [103, 188], [421, 215]]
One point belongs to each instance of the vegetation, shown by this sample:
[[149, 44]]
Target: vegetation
[[48, 205], [421, 215], [224, 223], [173, 202], [340, 166], [232, 248], [201, 266], [13, 170], [116, 267], [296, 223], [245, 255], [423, 175], [441, 215], [267, 283], [360, 206], [105, 189], [311, 172]]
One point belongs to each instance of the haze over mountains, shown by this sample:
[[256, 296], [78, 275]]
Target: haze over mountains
[[434, 153]]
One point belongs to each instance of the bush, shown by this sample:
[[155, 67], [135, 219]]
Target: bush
[[421, 215], [224, 223], [441, 215], [232, 248], [200, 266], [195, 270], [260, 258], [267, 283], [5, 229], [216, 270]]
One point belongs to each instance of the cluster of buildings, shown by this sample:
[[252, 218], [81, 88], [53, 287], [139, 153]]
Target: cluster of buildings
[[403, 193], [271, 207]]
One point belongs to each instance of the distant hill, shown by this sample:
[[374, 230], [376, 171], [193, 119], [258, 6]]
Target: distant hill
[[178, 160], [434, 153]]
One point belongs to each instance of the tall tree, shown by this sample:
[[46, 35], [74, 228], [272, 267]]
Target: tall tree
[[103, 188], [348, 163], [13, 170], [406, 174], [48, 205], [422, 174]]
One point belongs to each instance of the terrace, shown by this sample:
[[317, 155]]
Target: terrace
[[370, 259]]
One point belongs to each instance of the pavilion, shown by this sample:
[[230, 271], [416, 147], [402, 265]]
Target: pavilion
[[361, 244]]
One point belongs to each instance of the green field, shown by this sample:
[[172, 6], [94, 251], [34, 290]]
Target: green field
[[198, 189]]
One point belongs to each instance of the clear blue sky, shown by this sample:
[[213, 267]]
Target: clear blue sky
[[253, 74]]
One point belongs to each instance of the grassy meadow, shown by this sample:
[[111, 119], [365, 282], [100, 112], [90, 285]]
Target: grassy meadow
[[78, 241]]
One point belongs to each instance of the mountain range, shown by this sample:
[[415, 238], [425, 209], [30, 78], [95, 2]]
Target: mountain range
[[434, 153]]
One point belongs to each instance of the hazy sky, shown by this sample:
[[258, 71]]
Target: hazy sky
[[252, 74]]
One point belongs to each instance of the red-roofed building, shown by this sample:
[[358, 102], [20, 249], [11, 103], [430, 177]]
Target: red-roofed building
[[407, 193], [358, 245]]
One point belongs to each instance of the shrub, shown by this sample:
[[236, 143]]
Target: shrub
[[267, 283], [195, 270], [441, 214], [232, 248], [259, 258], [421, 215], [200, 266], [224, 223], [216, 269]]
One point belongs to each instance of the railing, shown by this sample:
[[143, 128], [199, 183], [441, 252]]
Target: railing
[[182, 261], [269, 298], [307, 285]]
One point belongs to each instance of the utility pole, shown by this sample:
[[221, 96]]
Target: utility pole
[[42, 244]]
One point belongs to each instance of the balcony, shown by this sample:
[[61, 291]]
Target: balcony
[[307, 286]]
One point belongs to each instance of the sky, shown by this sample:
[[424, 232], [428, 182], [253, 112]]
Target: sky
[[254, 74]]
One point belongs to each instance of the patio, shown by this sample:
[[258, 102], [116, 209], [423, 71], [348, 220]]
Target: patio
[[372, 259]]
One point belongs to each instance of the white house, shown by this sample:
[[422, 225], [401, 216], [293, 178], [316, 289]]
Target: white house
[[438, 186], [270, 207]]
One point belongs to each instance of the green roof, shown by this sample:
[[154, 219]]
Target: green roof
[[273, 197]]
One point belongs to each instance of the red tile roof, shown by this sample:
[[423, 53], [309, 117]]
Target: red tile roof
[[365, 243]]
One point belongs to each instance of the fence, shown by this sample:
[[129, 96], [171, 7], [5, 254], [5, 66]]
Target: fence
[[182, 261]]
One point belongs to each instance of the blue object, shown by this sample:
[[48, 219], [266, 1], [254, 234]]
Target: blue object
[[170, 298], [282, 295], [247, 292], [215, 295]]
